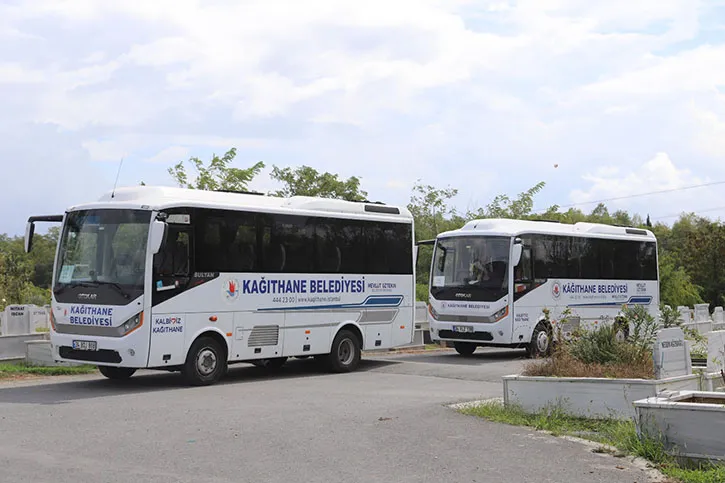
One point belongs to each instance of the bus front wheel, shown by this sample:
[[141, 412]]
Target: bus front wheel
[[205, 363], [345, 353], [464, 348], [541, 342], [116, 372]]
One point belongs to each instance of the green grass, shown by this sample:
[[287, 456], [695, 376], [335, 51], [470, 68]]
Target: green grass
[[618, 434], [8, 370]]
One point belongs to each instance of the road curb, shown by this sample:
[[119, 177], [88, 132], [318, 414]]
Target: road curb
[[405, 351]]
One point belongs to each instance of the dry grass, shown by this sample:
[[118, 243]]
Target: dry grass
[[564, 364]]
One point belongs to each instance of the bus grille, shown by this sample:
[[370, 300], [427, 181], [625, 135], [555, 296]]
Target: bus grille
[[263, 335], [449, 334], [102, 355]]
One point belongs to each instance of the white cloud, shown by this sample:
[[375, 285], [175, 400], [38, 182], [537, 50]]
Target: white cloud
[[13, 73], [709, 131], [673, 189], [485, 96], [104, 150], [172, 154]]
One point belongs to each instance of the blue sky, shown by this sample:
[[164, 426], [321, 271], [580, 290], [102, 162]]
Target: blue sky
[[486, 96]]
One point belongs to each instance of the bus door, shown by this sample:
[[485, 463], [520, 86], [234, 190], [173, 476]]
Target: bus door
[[172, 275], [523, 317]]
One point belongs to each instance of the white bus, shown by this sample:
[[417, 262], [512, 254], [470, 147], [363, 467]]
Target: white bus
[[492, 280], [192, 280]]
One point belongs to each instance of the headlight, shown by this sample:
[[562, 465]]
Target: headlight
[[501, 314], [133, 323], [432, 312]]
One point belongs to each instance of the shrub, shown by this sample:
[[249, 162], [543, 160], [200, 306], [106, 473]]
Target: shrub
[[670, 317], [643, 327], [600, 353]]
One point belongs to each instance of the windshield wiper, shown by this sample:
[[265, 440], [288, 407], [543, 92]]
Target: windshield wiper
[[118, 288], [94, 283], [75, 284]]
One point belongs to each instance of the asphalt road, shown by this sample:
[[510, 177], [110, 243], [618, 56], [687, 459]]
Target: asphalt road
[[388, 422]]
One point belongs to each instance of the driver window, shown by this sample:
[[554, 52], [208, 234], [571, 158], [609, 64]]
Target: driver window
[[173, 259], [522, 271]]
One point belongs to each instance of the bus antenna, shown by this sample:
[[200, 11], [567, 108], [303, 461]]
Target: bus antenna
[[113, 193]]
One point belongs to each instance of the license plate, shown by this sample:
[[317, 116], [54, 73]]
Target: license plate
[[84, 345], [462, 328]]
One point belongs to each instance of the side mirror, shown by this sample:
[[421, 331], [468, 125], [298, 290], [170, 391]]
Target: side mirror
[[30, 228], [415, 255], [516, 252], [158, 236], [29, 231]]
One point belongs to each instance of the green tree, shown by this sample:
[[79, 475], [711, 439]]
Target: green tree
[[503, 206], [42, 256], [15, 271], [307, 181], [432, 213], [676, 287], [218, 175]]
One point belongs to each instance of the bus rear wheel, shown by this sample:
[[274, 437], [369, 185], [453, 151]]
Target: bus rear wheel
[[116, 373], [464, 348], [205, 363], [345, 353]]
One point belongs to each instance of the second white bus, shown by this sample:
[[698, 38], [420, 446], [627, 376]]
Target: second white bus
[[492, 280]]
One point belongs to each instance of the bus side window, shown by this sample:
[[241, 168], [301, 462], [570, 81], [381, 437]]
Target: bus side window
[[523, 274], [173, 259], [522, 271]]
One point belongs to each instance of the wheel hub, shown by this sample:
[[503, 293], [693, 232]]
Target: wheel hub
[[206, 362], [542, 342], [345, 353]]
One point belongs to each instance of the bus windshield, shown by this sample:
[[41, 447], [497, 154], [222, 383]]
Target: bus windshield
[[102, 256], [470, 268]]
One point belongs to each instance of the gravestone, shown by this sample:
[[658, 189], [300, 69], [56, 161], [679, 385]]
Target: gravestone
[[718, 316], [684, 314], [716, 351], [17, 320], [702, 312], [671, 354], [39, 318]]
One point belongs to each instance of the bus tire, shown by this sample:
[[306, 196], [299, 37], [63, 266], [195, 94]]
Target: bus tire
[[541, 341], [345, 353], [205, 362], [116, 373], [465, 349]]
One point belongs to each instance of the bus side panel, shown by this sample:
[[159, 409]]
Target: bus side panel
[[524, 319], [258, 335], [168, 329], [199, 322], [593, 302], [310, 332], [377, 336], [403, 327]]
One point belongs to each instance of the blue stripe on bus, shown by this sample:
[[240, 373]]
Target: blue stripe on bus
[[641, 300], [371, 301]]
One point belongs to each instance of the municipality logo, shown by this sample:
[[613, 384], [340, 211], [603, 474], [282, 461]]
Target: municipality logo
[[231, 289], [556, 289]]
